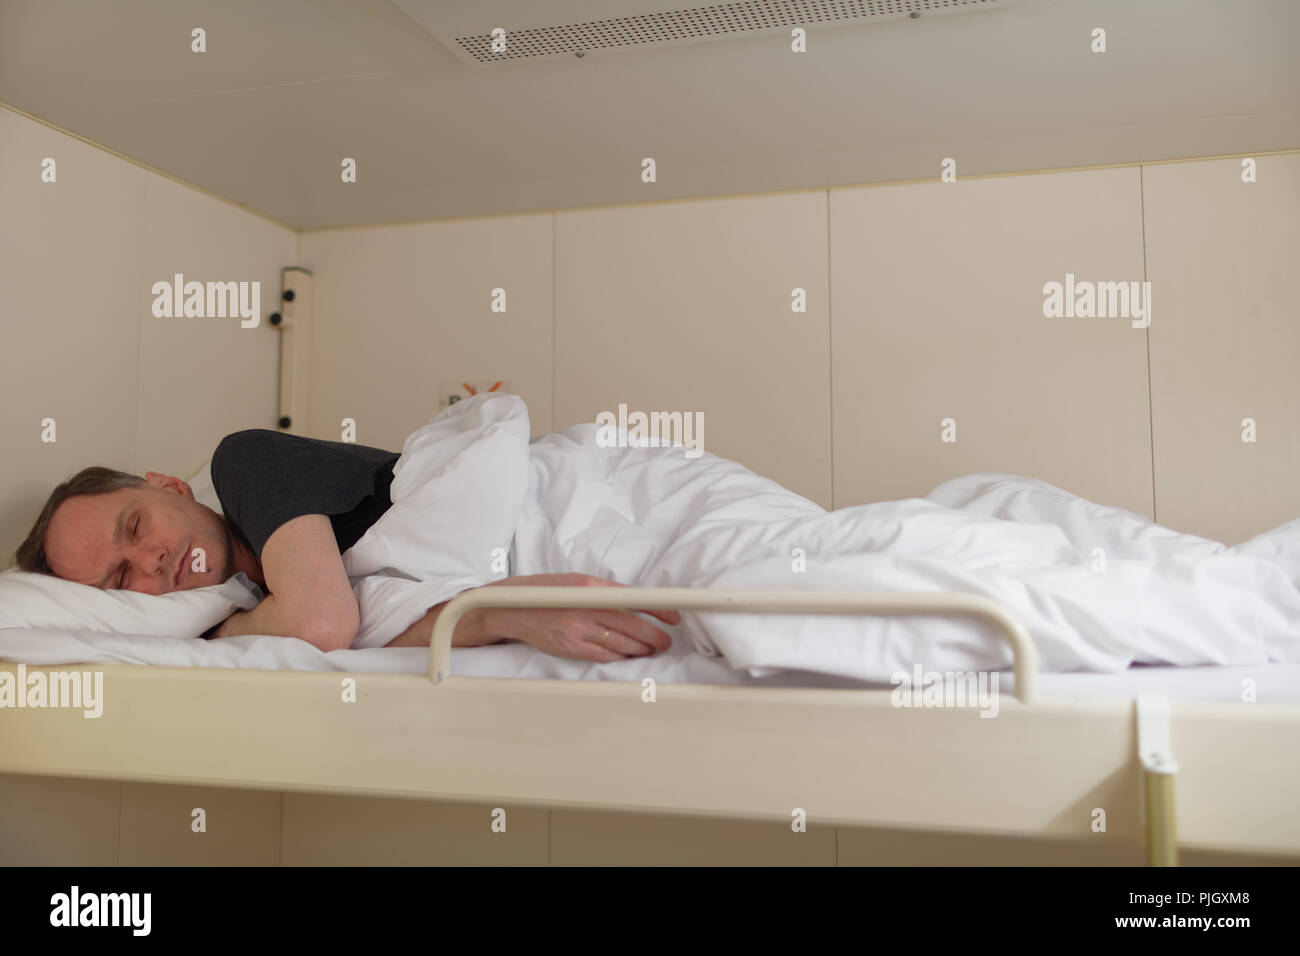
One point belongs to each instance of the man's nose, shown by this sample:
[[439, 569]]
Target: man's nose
[[151, 563]]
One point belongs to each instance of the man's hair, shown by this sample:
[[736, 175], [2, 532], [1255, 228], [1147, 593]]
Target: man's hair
[[30, 555]]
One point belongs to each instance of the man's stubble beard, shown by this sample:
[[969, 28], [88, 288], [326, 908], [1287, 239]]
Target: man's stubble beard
[[221, 532]]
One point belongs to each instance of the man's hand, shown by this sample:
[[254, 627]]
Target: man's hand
[[585, 634], [588, 634]]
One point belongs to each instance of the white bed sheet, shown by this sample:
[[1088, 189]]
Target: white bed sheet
[[1274, 682]]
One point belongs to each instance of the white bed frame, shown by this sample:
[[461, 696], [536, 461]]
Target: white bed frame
[[1041, 768]]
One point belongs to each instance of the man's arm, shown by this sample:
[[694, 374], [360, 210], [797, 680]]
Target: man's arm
[[469, 630], [592, 634], [309, 594]]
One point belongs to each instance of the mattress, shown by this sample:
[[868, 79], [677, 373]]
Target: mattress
[[682, 664]]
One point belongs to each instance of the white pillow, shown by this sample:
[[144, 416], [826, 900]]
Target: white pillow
[[42, 600], [205, 492]]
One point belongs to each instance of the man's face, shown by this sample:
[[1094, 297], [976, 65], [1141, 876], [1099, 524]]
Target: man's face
[[138, 539]]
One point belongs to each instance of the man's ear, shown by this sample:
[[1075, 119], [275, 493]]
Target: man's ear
[[168, 482]]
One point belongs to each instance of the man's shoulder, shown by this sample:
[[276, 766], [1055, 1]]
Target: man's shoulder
[[251, 434], [265, 445], [245, 439]]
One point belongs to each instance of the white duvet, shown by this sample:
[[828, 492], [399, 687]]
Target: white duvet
[[474, 500], [1098, 588]]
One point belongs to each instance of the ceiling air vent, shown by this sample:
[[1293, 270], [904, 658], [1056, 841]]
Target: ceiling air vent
[[688, 25]]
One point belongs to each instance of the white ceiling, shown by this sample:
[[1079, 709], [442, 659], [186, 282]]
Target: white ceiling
[[290, 87]]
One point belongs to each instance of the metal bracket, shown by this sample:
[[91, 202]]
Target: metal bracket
[[1156, 753], [294, 321], [1155, 737]]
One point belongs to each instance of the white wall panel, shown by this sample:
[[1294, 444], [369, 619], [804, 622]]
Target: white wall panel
[[79, 342], [687, 307], [70, 255], [937, 312], [333, 830], [202, 378], [163, 825], [58, 821], [400, 310], [1225, 344]]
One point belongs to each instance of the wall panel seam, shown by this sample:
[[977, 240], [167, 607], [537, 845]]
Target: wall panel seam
[[138, 324], [830, 349], [555, 326], [1151, 414]]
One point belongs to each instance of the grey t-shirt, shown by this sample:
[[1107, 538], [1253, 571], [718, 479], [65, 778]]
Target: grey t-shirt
[[265, 478]]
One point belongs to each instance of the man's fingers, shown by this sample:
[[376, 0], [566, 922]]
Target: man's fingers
[[645, 631], [600, 654], [665, 614], [635, 629], [618, 641]]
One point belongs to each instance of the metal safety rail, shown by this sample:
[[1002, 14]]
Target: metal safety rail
[[740, 600]]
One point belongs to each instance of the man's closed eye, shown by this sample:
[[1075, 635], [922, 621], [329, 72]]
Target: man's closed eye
[[121, 583]]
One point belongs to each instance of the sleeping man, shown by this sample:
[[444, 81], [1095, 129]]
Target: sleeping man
[[359, 547], [292, 507]]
